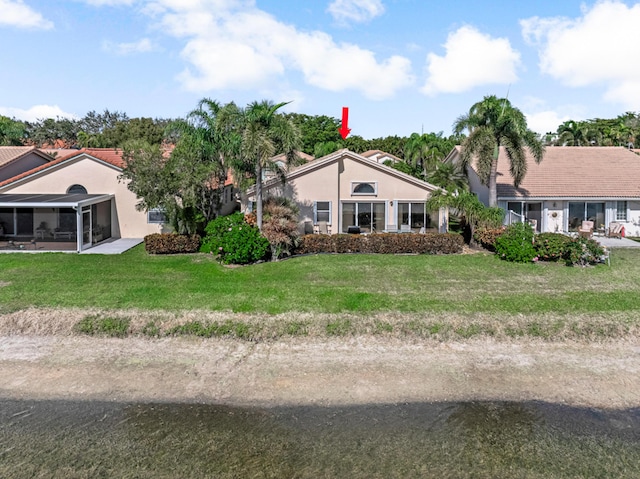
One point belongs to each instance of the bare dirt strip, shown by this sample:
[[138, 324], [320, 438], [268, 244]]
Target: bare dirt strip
[[364, 369]]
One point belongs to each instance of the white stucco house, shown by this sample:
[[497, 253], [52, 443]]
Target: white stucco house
[[570, 184], [347, 192]]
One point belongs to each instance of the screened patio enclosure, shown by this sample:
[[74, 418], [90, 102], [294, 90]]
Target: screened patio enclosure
[[54, 222]]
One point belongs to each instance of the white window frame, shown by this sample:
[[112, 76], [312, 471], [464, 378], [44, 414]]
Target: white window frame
[[622, 214], [315, 211], [354, 184], [156, 211], [425, 214]]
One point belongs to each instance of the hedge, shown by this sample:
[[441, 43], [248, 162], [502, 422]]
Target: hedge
[[171, 243], [384, 243]]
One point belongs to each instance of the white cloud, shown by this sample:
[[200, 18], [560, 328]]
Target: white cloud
[[358, 11], [16, 13], [545, 121], [109, 3], [472, 59], [36, 112], [598, 48], [141, 46], [231, 44]]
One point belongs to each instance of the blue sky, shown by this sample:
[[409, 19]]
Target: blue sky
[[401, 66]]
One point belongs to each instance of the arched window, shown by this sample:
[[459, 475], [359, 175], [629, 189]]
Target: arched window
[[364, 188], [77, 190]]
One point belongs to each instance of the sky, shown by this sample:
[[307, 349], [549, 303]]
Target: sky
[[400, 66]]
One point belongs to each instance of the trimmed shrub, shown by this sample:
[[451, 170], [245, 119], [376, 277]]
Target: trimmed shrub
[[384, 243], [516, 243], [551, 246], [582, 252], [171, 243], [487, 237], [234, 241]]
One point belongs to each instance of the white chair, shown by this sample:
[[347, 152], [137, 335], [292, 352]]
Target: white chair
[[405, 228], [323, 228]]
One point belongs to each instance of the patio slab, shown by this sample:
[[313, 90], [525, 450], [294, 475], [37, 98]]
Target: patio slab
[[116, 246], [616, 242]]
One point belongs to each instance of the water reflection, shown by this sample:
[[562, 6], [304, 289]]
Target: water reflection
[[476, 439]]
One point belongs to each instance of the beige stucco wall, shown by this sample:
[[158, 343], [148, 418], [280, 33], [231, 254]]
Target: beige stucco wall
[[97, 178], [333, 182]]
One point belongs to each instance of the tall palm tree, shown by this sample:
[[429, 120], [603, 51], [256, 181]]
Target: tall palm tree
[[257, 133], [573, 133], [493, 123]]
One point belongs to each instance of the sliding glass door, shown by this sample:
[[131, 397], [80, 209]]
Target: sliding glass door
[[580, 211], [368, 216]]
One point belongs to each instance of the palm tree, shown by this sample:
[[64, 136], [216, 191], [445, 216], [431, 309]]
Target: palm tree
[[256, 134], [449, 176], [573, 133], [493, 123], [423, 152]]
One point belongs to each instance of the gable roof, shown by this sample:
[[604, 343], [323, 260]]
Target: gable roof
[[9, 154], [345, 153], [110, 156], [380, 156], [573, 172]]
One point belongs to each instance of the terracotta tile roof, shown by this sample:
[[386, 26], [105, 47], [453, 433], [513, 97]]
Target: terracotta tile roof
[[9, 154], [108, 155], [573, 171]]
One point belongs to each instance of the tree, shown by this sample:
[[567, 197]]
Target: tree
[[315, 130], [12, 132], [493, 123], [425, 151], [469, 207], [255, 134], [573, 133], [188, 184], [449, 176]]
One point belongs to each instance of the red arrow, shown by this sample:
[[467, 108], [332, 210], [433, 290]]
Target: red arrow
[[344, 129]]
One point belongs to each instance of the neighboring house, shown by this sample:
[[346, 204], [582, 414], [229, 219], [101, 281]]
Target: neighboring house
[[80, 192], [18, 159], [569, 185], [381, 156], [345, 190]]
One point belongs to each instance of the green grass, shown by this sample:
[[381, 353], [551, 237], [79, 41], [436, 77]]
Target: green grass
[[458, 284]]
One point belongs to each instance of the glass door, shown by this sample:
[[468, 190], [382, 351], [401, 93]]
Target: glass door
[[86, 226]]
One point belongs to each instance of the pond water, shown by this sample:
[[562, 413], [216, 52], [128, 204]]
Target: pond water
[[67, 439]]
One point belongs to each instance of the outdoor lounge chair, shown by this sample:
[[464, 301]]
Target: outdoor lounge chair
[[615, 230], [323, 228], [586, 229]]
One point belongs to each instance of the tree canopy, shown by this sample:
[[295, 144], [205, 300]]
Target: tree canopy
[[493, 123]]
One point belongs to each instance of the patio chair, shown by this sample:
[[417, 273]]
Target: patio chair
[[615, 230], [586, 229], [323, 228]]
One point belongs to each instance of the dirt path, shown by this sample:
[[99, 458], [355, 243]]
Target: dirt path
[[299, 371]]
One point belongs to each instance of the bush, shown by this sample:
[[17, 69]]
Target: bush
[[551, 246], [582, 251], [516, 243], [235, 241], [280, 226], [171, 243], [487, 237], [384, 243]]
